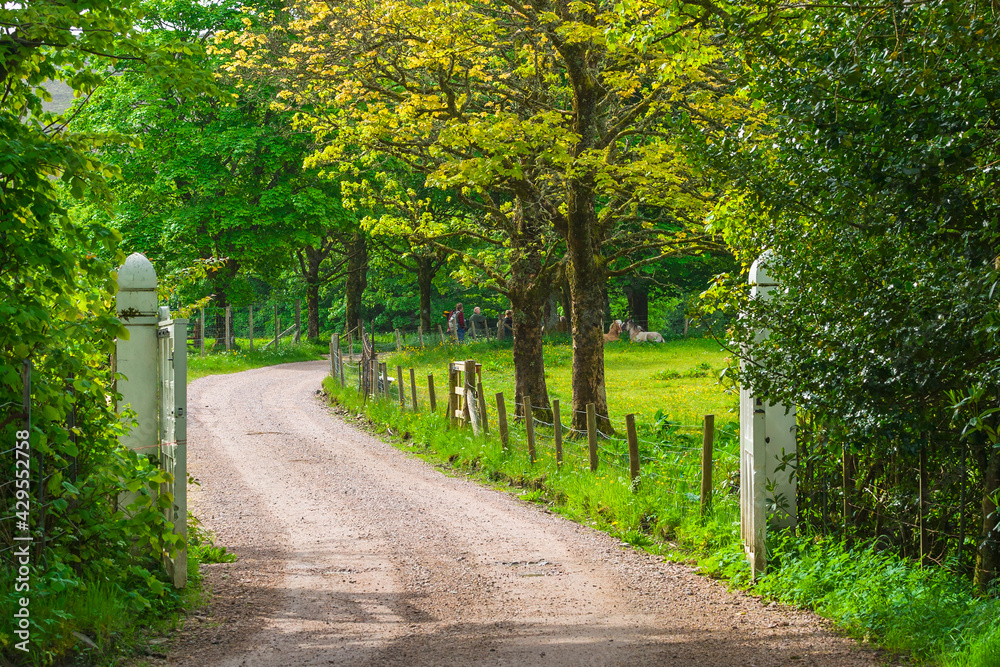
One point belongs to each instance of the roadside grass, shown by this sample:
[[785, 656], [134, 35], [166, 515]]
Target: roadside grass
[[876, 596], [927, 613], [242, 359]]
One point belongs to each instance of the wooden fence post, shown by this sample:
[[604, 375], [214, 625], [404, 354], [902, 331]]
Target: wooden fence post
[[502, 420], [298, 320], [340, 362], [400, 387], [361, 376], [707, 446], [592, 435], [441, 331], [350, 345], [469, 390], [413, 388], [229, 317], [483, 417], [250, 318], [399, 342], [529, 425], [557, 430], [430, 392], [633, 450], [202, 344]]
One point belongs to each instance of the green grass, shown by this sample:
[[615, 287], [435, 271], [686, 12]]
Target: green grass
[[242, 359], [639, 376], [877, 596]]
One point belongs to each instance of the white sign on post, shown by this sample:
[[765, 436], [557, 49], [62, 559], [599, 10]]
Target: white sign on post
[[767, 437]]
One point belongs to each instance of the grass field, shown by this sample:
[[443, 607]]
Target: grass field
[[678, 379], [242, 359]]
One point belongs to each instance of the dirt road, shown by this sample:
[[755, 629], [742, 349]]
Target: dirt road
[[354, 553]]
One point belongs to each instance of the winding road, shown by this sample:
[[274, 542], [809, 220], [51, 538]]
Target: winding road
[[353, 552]]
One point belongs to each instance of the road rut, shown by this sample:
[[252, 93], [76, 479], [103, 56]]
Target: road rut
[[353, 552]]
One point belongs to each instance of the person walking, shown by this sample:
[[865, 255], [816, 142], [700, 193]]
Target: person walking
[[460, 322], [479, 325], [508, 323]]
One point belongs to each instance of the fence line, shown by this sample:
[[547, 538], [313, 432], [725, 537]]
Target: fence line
[[673, 468]]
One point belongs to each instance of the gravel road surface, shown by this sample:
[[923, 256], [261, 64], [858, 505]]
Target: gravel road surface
[[355, 553]]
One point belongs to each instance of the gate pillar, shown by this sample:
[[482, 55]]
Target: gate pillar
[[135, 305], [767, 437]]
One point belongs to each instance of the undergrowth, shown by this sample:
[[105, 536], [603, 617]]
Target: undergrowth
[[103, 621]]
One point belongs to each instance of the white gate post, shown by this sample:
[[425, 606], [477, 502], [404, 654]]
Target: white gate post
[[136, 357], [767, 434]]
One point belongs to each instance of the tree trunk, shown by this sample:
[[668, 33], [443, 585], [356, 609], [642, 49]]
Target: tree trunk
[[357, 279], [588, 341], [550, 313], [425, 277], [587, 274], [220, 282], [528, 291], [637, 293], [314, 258], [529, 359], [566, 299], [988, 558], [312, 312]]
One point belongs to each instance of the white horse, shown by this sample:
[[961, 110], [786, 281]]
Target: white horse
[[637, 335]]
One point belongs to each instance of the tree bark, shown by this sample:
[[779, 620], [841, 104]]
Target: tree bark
[[988, 558], [529, 359], [550, 313], [314, 258], [220, 281], [566, 299], [425, 277], [584, 233], [586, 280], [528, 291], [357, 278], [637, 293]]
